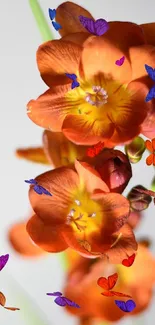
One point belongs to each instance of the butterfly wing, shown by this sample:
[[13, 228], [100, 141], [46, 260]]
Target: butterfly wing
[[31, 181], [71, 303], [38, 189], [75, 84], [72, 76], [112, 279], [130, 305], [57, 26], [44, 191], [52, 13], [120, 294], [121, 305], [150, 71], [151, 94], [129, 261], [2, 299], [3, 261], [88, 23], [90, 152], [101, 27], [60, 301], [108, 293], [120, 61], [57, 293], [103, 283], [12, 308]]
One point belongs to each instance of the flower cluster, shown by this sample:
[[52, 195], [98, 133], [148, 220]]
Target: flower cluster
[[99, 96]]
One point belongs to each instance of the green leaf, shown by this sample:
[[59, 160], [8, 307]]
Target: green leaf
[[41, 20]]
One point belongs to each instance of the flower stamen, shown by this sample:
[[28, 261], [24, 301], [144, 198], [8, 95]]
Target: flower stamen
[[99, 97]]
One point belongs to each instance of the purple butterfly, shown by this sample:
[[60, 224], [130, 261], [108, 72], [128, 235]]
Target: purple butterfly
[[127, 306], [98, 27], [63, 301], [150, 71], [52, 13], [38, 188], [3, 261], [120, 61]]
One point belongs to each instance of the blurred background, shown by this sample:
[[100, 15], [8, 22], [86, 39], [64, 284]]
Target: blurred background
[[26, 281]]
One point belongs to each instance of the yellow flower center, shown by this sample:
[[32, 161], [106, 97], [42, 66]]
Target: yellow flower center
[[84, 214]]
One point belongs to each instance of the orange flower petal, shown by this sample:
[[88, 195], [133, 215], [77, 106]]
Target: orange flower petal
[[45, 236], [91, 177], [149, 145], [99, 56], [12, 308], [126, 246], [36, 155], [68, 17], [60, 183], [139, 56], [2, 299], [49, 109], [154, 160], [149, 31], [124, 34], [21, 241], [126, 116], [78, 38], [82, 131], [59, 150], [148, 126], [149, 160], [55, 58]]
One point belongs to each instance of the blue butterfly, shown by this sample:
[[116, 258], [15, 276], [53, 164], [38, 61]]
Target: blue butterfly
[[38, 188], [151, 94], [150, 71], [52, 13], [57, 26], [73, 77]]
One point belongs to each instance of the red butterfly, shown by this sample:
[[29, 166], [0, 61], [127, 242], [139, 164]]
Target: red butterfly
[[108, 284], [95, 150], [128, 261]]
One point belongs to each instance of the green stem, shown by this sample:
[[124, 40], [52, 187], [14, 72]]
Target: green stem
[[153, 185], [41, 21]]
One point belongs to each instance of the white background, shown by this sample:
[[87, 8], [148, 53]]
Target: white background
[[20, 82]]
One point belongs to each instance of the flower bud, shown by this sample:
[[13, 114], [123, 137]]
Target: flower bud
[[139, 201], [135, 150], [114, 168]]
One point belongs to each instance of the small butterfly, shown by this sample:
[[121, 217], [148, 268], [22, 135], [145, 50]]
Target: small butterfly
[[73, 77], [38, 188], [98, 27], [120, 61], [3, 261], [127, 306], [129, 261], [3, 301], [150, 71], [75, 84], [52, 13], [56, 25], [63, 301]]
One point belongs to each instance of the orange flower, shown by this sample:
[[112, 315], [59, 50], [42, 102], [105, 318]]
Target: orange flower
[[21, 242], [137, 281], [150, 145], [82, 113], [81, 208]]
